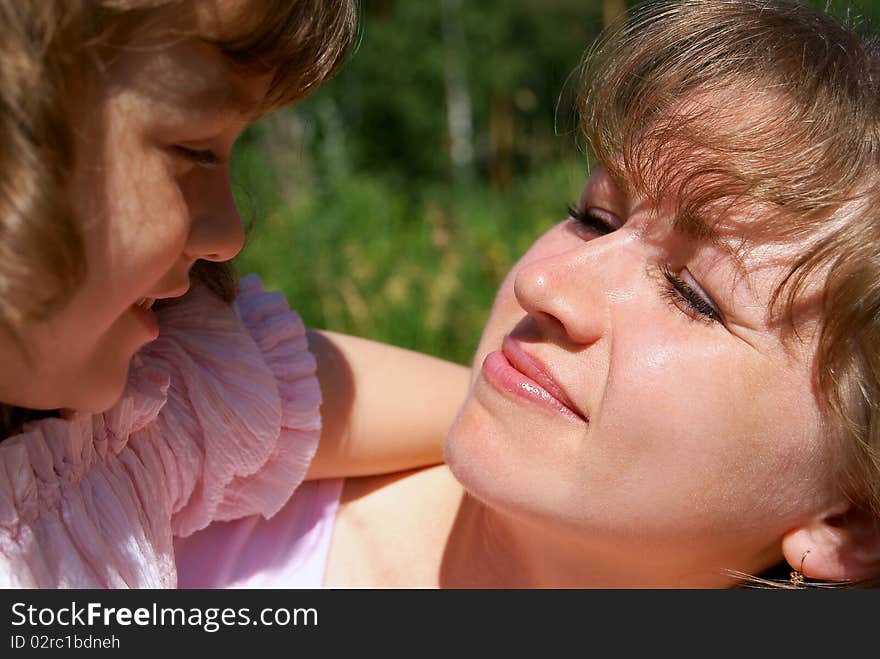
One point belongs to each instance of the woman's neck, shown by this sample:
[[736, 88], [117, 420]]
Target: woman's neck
[[423, 530], [490, 549]]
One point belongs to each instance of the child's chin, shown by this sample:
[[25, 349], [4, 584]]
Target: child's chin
[[100, 394], [99, 402]]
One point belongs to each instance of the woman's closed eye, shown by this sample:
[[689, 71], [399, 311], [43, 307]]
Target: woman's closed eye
[[594, 219], [685, 294], [682, 290]]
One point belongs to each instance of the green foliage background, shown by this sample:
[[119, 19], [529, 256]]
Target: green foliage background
[[359, 214]]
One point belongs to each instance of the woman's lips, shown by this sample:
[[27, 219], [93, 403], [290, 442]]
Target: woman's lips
[[512, 371]]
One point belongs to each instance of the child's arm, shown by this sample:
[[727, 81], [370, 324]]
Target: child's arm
[[384, 408]]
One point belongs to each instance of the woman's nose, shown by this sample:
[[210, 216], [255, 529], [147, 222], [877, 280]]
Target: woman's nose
[[570, 291], [216, 230]]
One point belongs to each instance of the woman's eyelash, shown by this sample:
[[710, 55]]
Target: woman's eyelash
[[591, 220], [689, 301], [204, 158], [678, 292]]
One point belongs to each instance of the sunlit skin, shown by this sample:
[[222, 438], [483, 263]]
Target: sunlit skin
[[691, 437], [637, 418], [151, 187]]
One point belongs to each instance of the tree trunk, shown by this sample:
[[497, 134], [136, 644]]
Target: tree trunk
[[501, 140], [458, 99]]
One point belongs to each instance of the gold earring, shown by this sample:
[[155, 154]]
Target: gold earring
[[797, 576]]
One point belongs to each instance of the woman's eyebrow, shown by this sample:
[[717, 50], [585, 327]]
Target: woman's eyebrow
[[693, 227], [696, 230]]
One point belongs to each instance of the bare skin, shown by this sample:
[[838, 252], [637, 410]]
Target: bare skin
[[635, 419]]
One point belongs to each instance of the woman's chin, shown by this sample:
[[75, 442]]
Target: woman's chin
[[474, 453]]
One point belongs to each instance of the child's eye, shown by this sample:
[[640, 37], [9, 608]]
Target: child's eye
[[203, 158], [593, 219], [689, 298]]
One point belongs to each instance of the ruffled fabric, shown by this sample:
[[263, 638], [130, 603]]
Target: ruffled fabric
[[219, 420], [290, 550]]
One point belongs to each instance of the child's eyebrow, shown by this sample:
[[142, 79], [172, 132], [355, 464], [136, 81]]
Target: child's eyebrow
[[204, 79], [223, 93]]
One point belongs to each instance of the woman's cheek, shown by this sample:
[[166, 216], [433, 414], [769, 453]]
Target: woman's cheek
[[503, 317]]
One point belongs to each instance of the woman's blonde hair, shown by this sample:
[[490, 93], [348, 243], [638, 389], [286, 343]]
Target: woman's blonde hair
[[770, 102], [47, 51]]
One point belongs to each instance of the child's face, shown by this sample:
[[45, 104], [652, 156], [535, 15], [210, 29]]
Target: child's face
[[151, 185], [655, 415]]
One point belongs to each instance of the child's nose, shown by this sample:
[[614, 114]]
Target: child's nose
[[571, 291], [216, 231]]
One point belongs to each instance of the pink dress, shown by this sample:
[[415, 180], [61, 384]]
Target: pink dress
[[219, 422]]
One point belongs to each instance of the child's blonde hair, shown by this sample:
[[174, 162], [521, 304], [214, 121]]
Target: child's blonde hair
[[48, 50], [769, 102]]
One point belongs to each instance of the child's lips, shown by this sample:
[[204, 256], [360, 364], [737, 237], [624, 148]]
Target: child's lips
[[180, 291], [147, 302], [146, 315], [144, 311]]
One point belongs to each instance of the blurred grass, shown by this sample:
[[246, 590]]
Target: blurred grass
[[365, 255], [357, 216]]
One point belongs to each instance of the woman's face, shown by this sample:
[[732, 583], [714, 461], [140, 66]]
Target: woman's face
[[151, 189], [633, 393]]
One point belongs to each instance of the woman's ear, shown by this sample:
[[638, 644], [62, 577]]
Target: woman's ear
[[843, 544]]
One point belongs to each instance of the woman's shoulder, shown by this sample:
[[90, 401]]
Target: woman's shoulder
[[380, 489], [391, 529]]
